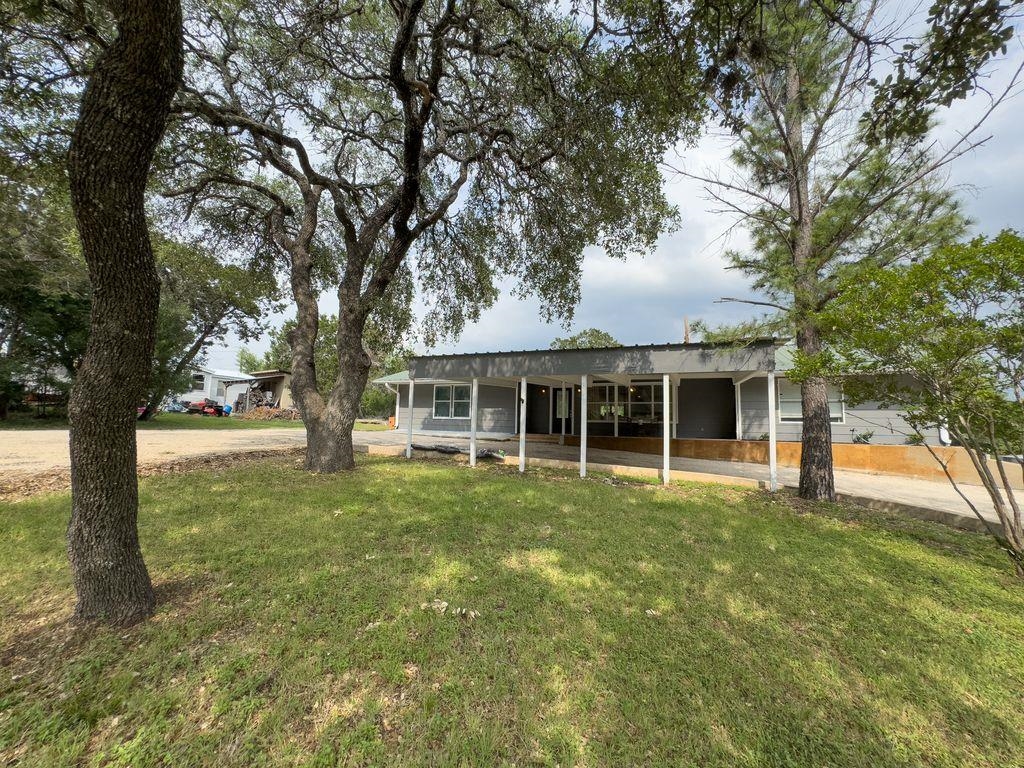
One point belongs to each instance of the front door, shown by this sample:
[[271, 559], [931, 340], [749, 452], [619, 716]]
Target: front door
[[561, 410]]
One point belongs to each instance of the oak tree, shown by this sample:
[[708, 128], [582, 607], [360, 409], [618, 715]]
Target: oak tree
[[445, 144]]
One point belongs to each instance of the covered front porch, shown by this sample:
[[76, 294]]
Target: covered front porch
[[633, 399]]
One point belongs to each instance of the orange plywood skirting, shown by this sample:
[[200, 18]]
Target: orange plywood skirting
[[909, 460]]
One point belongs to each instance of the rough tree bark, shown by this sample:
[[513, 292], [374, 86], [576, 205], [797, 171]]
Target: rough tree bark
[[123, 113], [817, 480], [816, 476]]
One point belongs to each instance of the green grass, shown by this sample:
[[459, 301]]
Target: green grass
[[174, 421], [290, 629]]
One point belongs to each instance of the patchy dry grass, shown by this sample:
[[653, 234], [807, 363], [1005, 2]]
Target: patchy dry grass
[[619, 625]]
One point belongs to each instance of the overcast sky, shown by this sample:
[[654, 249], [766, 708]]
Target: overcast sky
[[644, 300]]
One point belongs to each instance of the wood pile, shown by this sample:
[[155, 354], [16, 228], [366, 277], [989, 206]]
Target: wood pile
[[266, 413]]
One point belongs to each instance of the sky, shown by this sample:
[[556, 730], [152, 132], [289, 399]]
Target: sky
[[645, 300]]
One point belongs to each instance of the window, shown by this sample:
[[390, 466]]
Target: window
[[451, 401], [639, 402], [221, 391], [644, 402], [601, 403], [562, 403], [198, 381], [790, 408]]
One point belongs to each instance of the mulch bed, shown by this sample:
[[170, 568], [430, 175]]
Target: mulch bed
[[15, 486]]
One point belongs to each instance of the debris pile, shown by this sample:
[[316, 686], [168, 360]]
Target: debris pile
[[267, 413]]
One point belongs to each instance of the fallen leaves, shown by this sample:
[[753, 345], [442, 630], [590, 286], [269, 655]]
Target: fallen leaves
[[442, 607]]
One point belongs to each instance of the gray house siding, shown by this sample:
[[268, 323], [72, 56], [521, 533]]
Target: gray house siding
[[888, 425], [496, 411]]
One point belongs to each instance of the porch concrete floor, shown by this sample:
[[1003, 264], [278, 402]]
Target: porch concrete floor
[[921, 498]]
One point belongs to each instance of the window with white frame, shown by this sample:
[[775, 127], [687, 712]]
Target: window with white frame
[[198, 381], [451, 401], [791, 409]]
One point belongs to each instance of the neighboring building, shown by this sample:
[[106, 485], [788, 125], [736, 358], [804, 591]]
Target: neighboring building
[[232, 387], [208, 384], [713, 392], [274, 387]]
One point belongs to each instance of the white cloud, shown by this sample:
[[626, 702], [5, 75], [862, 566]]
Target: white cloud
[[644, 300]]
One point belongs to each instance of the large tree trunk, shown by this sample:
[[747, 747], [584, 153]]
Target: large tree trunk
[[817, 480], [123, 114], [329, 422]]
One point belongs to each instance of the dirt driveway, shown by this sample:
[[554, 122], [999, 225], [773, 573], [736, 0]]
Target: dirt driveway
[[31, 451]]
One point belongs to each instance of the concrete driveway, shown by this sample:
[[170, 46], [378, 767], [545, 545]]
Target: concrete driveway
[[31, 451]]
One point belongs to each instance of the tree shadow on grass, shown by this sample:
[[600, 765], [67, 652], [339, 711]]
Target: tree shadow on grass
[[618, 626]]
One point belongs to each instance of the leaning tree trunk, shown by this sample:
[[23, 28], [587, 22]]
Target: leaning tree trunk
[[817, 481], [124, 109]]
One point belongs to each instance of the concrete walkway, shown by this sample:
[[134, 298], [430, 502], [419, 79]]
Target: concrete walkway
[[923, 499]]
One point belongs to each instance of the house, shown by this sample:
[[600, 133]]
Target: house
[[700, 400], [208, 384]]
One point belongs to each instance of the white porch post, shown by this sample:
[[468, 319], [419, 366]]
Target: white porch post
[[564, 415], [665, 429], [398, 403], [615, 415], [522, 424], [408, 431], [474, 397], [739, 412], [773, 462], [583, 425], [675, 410]]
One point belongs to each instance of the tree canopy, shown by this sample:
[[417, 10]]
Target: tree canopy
[[589, 338], [437, 145], [943, 339]]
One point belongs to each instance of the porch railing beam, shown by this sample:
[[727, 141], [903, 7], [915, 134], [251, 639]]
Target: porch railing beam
[[474, 399], [583, 425], [522, 424], [408, 430]]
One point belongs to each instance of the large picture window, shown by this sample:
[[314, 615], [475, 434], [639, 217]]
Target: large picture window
[[601, 403], [451, 401], [639, 402], [790, 408]]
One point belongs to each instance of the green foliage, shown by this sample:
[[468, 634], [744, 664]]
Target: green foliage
[[590, 338], [387, 358], [44, 291], [536, 143], [953, 325], [943, 339], [248, 361], [202, 299], [941, 66]]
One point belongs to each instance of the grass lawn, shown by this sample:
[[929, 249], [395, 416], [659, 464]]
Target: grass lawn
[[618, 626], [176, 421]]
